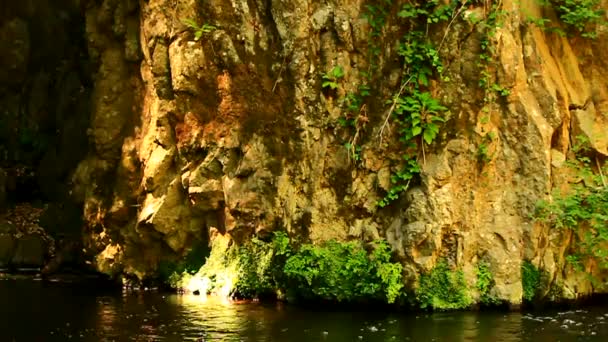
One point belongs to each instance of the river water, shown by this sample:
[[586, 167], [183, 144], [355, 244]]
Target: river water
[[36, 311]]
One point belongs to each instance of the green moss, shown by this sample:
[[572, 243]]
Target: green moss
[[443, 289], [530, 280]]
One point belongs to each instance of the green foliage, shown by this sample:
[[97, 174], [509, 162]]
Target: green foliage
[[198, 30], [376, 15], [343, 272], [330, 80], [583, 210], [334, 271], [170, 271], [530, 280], [580, 15], [401, 180], [483, 153], [417, 113], [500, 90], [545, 25], [443, 289], [254, 272], [485, 283]]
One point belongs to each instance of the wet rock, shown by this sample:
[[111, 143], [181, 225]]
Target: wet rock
[[2, 189], [15, 44], [30, 251], [7, 248]]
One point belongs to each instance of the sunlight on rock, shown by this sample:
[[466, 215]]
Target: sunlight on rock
[[225, 290], [198, 284]]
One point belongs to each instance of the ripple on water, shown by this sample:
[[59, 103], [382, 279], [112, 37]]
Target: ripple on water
[[64, 313]]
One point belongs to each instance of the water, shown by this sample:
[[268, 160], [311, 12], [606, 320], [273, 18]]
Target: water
[[34, 311]]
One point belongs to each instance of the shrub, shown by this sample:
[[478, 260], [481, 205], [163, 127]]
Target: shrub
[[583, 210], [530, 280], [333, 271], [442, 289], [580, 14], [485, 283], [343, 272]]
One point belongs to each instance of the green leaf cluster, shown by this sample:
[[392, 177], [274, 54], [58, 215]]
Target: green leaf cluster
[[485, 283], [330, 79], [417, 113], [583, 210], [343, 272], [530, 280], [443, 289], [580, 15], [332, 271], [198, 30]]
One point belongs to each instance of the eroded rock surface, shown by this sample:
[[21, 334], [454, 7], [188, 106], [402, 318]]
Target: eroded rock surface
[[233, 133]]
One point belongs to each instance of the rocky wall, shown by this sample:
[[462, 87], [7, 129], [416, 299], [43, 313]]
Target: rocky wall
[[230, 131]]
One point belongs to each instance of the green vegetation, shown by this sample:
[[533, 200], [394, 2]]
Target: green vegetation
[[485, 283], [483, 152], [530, 280], [583, 209], [198, 30], [168, 270], [579, 16], [416, 111], [333, 271], [443, 289], [343, 272], [492, 90], [330, 80]]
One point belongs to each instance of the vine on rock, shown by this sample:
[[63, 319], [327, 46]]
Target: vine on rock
[[415, 109], [583, 210]]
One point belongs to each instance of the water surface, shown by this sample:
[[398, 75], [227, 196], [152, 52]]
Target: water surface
[[35, 311]]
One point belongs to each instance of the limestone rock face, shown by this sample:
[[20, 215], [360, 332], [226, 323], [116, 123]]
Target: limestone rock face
[[228, 129]]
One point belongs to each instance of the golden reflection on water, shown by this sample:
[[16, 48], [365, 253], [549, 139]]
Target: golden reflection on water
[[219, 317]]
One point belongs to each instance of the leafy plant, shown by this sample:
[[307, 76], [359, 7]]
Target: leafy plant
[[417, 113], [198, 30], [485, 283], [330, 80], [443, 289], [343, 272], [580, 15], [583, 210], [333, 271], [530, 280], [502, 91]]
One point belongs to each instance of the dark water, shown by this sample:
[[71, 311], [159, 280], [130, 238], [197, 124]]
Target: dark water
[[33, 311]]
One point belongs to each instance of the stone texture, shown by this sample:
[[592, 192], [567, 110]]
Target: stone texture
[[7, 248], [233, 134], [30, 252]]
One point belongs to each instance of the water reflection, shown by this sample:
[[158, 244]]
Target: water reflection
[[36, 312]]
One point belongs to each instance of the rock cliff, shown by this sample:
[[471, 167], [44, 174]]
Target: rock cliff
[[229, 117]]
